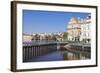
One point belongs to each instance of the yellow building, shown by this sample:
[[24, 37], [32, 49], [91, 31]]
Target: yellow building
[[74, 29]]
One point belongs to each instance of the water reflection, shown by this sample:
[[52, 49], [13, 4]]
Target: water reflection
[[36, 51], [60, 56], [75, 55]]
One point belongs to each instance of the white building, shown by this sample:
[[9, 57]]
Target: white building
[[27, 38], [79, 29], [86, 29], [42, 36]]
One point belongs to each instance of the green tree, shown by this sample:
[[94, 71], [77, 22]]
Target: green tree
[[65, 36], [54, 38], [37, 37]]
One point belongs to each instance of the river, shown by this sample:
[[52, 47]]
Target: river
[[60, 56]]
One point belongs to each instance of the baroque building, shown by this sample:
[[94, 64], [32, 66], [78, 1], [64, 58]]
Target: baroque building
[[79, 29], [74, 29]]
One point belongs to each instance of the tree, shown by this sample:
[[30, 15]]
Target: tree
[[47, 37], [65, 36], [37, 37], [33, 38], [54, 38]]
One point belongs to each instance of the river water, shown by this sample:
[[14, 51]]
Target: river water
[[60, 56], [57, 55]]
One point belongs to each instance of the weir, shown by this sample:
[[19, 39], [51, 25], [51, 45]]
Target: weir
[[34, 50]]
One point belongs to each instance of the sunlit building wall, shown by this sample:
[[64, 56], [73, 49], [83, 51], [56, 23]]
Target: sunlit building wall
[[86, 29], [27, 38], [74, 29]]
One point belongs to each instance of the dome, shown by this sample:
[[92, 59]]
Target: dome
[[69, 26], [73, 20]]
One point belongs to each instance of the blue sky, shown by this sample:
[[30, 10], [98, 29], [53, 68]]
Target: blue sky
[[47, 21]]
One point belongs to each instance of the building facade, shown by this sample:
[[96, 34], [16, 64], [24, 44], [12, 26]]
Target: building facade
[[79, 29], [86, 29], [27, 38], [48, 37], [74, 29]]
